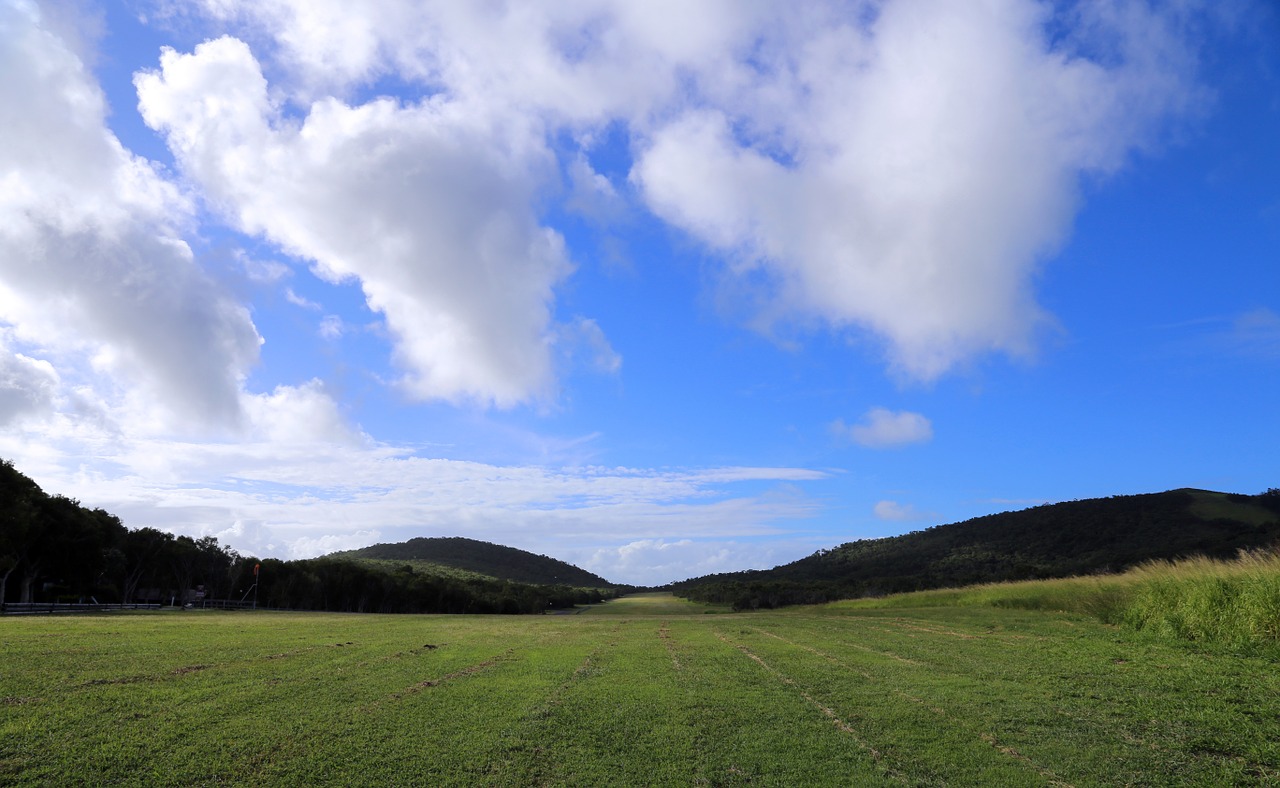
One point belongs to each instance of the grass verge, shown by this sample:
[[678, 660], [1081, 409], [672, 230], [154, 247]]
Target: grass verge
[[1235, 604]]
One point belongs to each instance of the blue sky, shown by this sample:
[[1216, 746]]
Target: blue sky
[[660, 291]]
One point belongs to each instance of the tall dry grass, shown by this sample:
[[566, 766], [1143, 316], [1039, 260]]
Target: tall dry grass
[[1235, 603]]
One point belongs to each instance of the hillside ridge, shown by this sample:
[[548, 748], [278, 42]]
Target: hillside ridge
[[1089, 536]]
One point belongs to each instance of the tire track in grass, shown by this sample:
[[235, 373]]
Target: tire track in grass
[[845, 666], [912, 624], [461, 673], [145, 678], [828, 712], [1081, 717], [989, 738], [585, 669], [506, 768], [861, 647], [664, 634]]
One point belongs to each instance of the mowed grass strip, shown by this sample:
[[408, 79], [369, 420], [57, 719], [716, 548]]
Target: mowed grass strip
[[913, 740], [322, 698], [638, 716], [654, 693], [1088, 703]]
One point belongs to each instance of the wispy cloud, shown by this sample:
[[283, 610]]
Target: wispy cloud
[[1256, 334], [263, 271], [332, 327], [1253, 334], [583, 340], [301, 301], [304, 483], [898, 512], [881, 428]]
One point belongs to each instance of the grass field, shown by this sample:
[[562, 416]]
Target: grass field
[[647, 690]]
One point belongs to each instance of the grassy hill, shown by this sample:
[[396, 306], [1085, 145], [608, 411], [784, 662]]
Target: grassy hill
[[457, 556], [1056, 540]]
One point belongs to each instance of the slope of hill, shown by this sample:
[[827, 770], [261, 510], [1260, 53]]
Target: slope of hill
[[479, 558], [1054, 540]]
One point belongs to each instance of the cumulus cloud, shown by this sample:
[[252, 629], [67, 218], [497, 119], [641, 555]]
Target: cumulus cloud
[[428, 206], [896, 167], [92, 265], [917, 169], [882, 428], [304, 414]]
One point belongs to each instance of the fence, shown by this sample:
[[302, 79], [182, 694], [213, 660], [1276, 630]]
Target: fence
[[226, 604], [32, 608]]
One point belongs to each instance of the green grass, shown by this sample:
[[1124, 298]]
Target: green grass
[[1231, 604], [646, 690]]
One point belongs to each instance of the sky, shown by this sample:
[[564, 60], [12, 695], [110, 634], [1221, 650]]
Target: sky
[[661, 289]]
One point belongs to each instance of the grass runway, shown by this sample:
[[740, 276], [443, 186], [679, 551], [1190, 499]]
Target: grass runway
[[647, 690]]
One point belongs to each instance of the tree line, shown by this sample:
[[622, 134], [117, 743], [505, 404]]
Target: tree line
[[53, 549]]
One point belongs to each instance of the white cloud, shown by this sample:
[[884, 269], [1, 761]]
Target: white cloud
[[657, 561], [897, 512], [306, 414], [882, 428], [93, 271], [303, 483], [913, 173], [898, 167], [428, 206]]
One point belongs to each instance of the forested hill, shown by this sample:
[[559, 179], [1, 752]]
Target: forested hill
[[482, 558], [52, 550], [1055, 540]]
